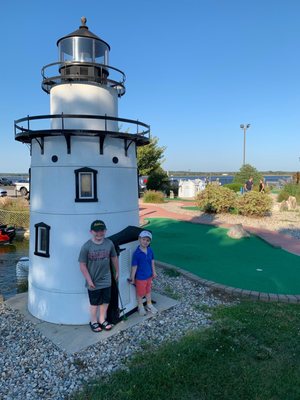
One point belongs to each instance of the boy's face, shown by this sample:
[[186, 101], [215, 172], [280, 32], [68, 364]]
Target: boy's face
[[144, 241], [98, 235]]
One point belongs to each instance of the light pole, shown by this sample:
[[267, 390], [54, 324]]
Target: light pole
[[244, 127]]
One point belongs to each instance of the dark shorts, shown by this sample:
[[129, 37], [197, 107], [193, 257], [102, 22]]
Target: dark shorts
[[99, 296]]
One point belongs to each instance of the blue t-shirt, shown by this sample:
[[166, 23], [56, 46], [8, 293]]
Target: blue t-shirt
[[143, 262]]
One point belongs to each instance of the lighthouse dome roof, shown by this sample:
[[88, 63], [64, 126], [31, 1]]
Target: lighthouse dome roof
[[83, 31]]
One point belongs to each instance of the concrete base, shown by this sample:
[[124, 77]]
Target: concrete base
[[74, 338]]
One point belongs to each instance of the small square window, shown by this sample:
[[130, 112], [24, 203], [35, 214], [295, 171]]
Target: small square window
[[86, 185], [42, 238]]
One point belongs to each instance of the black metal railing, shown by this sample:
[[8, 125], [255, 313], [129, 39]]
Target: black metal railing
[[28, 127], [93, 72]]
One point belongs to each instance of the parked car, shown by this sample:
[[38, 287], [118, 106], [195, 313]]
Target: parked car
[[3, 192], [5, 181]]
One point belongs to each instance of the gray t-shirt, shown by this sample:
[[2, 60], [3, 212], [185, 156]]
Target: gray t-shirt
[[97, 259]]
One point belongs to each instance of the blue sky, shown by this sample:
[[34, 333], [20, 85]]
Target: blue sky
[[196, 70]]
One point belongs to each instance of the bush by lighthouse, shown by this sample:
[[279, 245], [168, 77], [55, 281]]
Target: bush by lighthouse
[[83, 167]]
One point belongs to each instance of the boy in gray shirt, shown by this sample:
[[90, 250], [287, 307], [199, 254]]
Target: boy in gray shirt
[[94, 259]]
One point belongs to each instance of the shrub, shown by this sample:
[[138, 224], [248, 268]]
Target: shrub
[[151, 196], [216, 199], [254, 204], [244, 174], [158, 180], [290, 189], [236, 187]]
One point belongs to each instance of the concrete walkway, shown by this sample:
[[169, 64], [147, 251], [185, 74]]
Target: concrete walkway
[[74, 338]]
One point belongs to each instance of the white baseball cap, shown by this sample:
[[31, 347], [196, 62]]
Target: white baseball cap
[[146, 234]]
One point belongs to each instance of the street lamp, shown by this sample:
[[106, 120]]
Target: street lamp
[[244, 127]]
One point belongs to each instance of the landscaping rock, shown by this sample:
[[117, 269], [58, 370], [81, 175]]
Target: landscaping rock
[[283, 206], [288, 205], [292, 203], [237, 232]]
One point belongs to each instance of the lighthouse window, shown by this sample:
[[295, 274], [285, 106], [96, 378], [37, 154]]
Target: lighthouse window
[[86, 185], [42, 239]]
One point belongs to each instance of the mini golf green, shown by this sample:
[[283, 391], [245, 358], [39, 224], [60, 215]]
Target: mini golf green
[[207, 251]]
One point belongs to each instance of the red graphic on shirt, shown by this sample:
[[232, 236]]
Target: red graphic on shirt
[[98, 255]]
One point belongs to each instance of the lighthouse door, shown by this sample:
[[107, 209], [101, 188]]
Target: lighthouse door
[[127, 295]]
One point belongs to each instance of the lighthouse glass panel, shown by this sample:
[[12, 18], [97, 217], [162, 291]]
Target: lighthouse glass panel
[[79, 49], [42, 240], [86, 185]]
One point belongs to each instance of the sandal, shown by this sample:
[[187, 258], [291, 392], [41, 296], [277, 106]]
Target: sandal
[[95, 327], [105, 325]]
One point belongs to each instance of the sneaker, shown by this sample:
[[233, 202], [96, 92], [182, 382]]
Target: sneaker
[[151, 308], [142, 311]]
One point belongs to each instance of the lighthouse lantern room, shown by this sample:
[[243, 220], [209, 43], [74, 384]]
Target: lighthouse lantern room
[[83, 167]]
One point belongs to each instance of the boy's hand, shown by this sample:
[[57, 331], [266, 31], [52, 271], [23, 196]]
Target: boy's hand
[[91, 285], [154, 275]]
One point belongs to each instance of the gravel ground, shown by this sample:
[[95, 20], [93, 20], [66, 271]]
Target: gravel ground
[[31, 367]]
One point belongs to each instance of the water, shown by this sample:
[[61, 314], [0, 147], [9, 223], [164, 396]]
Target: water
[[277, 180], [9, 256]]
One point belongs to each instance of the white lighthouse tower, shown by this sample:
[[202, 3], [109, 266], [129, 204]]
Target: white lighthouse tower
[[83, 167]]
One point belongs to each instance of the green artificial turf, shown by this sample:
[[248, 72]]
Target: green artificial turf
[[207, 251]]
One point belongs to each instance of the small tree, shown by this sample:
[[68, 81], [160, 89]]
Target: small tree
[[244, 174], [158, 180], [150, 157]]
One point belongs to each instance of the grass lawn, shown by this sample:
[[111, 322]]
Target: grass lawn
[[251, 352]]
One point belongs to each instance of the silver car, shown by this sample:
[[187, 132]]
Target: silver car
[[3, 192]]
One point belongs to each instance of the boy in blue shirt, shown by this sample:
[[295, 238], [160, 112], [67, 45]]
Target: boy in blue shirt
[[143, 272]]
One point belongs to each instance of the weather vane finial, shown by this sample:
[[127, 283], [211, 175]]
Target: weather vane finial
[[83, 21]]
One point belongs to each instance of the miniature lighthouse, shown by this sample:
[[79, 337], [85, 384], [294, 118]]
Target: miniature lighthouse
[[83, 167]]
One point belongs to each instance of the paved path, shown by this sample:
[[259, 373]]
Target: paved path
[[285, 242]]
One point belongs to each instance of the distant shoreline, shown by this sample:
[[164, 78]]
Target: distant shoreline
[[190, 173]]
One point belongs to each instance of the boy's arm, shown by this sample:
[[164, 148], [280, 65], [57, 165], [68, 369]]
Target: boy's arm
[[115, 262], [86, 274], [154, 274], [133, 272]]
